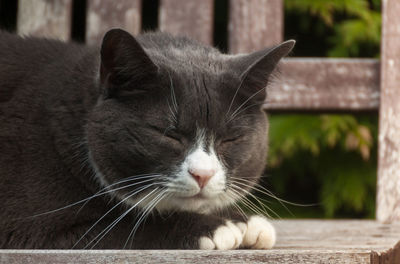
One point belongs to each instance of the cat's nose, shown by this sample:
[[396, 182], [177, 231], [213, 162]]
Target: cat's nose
[[202, 176]]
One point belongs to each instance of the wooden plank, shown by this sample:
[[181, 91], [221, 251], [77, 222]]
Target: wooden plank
[[389, 256], [103, 15], [388, 189], [192, 18], [254, 24], [336, 235], [183, 256], [299, 241], [45, 18], [325, 84]]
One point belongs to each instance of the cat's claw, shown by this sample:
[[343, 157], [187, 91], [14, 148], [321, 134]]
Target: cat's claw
[[260, 234], [228, 236]]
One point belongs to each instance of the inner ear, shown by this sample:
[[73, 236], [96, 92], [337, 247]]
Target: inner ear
[[255, 69], [125, 66]]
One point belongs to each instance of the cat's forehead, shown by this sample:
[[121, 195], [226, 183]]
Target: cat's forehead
[[189, 60]]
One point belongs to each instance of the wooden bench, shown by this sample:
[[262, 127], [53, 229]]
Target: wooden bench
[[307, 85]]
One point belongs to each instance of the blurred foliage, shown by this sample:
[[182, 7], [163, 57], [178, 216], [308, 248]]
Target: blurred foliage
[[327, 159], [341, 28]]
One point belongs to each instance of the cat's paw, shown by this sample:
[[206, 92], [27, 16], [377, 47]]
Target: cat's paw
[[227, 236], [260, 234]]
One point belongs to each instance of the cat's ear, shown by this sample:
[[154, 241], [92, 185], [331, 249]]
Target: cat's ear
[[125, 66], [255, 69]]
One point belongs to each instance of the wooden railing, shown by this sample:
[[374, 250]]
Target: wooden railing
[[305, 84]]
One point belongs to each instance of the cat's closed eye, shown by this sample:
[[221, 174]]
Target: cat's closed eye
[[232, 139], [173, 135]]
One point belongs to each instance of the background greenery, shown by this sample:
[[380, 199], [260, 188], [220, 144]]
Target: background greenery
[[328, 160]]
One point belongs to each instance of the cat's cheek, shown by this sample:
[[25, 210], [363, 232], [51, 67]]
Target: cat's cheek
[[226, 151]]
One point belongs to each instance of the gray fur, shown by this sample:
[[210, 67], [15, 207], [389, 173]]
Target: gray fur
[[73, 122]]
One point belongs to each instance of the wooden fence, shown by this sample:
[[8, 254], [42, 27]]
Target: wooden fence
[[306, 84]]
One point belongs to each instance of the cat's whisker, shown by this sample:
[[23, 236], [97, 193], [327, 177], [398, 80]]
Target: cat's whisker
[[244, 109], [129, 195], [172, 113], [233, 99], [116, 221], [264, 207], [259, 188], [94, 196], [173, 96], [247, 100], [248, 203], [237, 112], [146, 211], [234, 198], [132, 178], [266, 192], [249, 207], [246, 116], [252, 207], [168, 128]]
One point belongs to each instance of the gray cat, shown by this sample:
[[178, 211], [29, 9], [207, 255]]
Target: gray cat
[[147, 146]]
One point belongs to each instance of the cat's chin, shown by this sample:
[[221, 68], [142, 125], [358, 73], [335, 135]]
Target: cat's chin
[[199, 196], [198, 203]]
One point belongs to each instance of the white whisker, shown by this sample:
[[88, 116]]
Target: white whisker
[[116, 221], [248, 203], [244, 103], [93, 196], [267, 192], [145, 213], [115, 206]]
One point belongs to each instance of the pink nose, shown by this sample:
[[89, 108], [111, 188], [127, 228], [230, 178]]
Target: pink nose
[[202, 176]]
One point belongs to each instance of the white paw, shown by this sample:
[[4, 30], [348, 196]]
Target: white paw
[[228, 236], [260, 233]]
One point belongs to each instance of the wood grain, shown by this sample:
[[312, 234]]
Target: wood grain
[[325, 84], [180, 256], [104, 15], [45, 18], [254, 24], [391, 256], [388, 189], [192, 18], [299, 241]]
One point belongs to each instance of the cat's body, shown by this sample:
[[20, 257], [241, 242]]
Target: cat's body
[[73, 123]]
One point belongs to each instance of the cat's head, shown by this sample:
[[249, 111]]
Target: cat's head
[[178, 125]]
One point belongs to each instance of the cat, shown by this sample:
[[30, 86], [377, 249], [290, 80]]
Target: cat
[[146, 143]]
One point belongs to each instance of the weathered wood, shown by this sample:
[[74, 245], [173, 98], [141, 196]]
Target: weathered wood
[[179, 256], [254, 24], [299, 241], [325, 84], [336, 235], [45, 18], [103, 15], [389, 256], [388, 189], [192, 18]]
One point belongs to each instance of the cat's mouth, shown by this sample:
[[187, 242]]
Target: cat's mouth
[[200, 196], [197, 196]]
